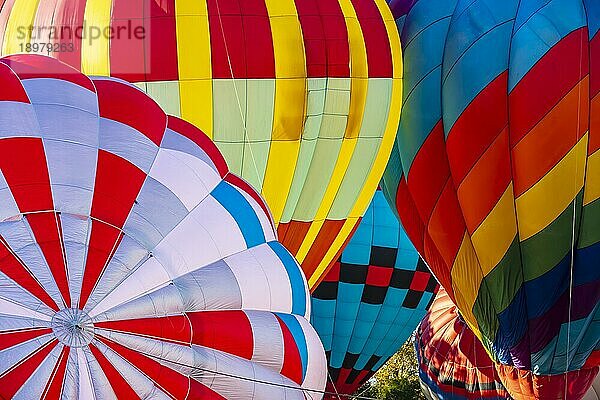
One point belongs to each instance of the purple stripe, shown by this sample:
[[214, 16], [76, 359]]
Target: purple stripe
[[401, 7], [544, 328]]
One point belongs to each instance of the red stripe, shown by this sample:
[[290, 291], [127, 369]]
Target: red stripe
[[547, 82], [173, 328], [104, 241], [169, 380], [16, 377], [127, 55], [28, 180], [227, 331], [594, 144], [54, 387], [379, 53], [191, 132], [595, 65], [409, 215], [446, 226], [429, 172], [12, 89], [132, 107], [15, 270], [13, 338], [241, 39], [32, 66], [118, 384], [117, 185], [477, 127], [69, 14], [292, 364], [161, 41], [325, 38], [48, 235]]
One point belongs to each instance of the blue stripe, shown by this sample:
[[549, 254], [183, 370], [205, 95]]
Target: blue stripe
[[592, 8], [243, 213], [294, 326], [295, 275], [465, 79], [536, 31]]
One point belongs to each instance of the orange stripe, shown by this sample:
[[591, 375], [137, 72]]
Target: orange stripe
[[548, 142], [328, 233], [484, 184]]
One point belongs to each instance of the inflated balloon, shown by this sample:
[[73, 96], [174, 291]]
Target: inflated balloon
[[302, 97], [134, 264], [496, 177], [371, 300], [452, 362]]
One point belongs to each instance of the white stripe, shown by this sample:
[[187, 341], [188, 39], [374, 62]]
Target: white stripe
[[268, 340], [9, 307], [34, 387], [71, 382], [263, 280], [16, 354], [139, 382], [126, 259], [19, 237], [86, 388], [188, 177]]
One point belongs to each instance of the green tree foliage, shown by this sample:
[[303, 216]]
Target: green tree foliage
[[398, 379]]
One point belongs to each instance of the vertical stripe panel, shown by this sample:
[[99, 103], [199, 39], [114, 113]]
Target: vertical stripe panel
[[195, 69], [95, 53], [290, 103]]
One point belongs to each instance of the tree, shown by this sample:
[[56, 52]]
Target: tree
[[398, 379]]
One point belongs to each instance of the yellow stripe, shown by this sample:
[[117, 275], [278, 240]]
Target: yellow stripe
[[466, 271], [17, 35], [194, 63], [290, 103], [361, 69], [497, 232], [393, 117], [358, 99], [95, 54], [548, 198], [333, 250], [592, 179]]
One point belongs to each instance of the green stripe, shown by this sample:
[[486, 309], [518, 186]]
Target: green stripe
[[590, 225], [547, 248]]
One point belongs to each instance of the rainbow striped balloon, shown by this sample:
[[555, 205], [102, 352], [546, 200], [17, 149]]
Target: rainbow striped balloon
[[498, 153]]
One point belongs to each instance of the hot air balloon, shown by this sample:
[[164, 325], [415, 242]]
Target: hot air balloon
[[452, 362], [371, 300], [302, 97], [134, 264], [496, 173]]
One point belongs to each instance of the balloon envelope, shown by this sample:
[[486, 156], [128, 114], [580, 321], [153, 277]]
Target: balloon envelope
[[301, 97], [496, 171], [372, 299], [452, 362], [134, 264]]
